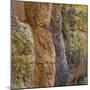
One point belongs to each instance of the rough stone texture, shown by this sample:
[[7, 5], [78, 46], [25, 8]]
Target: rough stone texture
[[76, 43], [62, 69], [22, 55], [17, 7], [60, 41], [39, 18], [76, 73]]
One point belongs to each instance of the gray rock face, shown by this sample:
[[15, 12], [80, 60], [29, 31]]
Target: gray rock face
[[62, 69]]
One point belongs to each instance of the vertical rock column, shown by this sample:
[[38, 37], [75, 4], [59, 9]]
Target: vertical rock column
[[38, 15], [56, 30], [17, 7], [22, 49]]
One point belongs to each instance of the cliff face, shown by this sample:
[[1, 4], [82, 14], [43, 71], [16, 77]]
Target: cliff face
[[62, 68], [18, 9], [45, 52], [22, 55], [49, 44], [76, 42]]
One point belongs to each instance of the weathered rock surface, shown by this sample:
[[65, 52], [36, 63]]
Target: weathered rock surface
[[22, 55], [39, 18], [75, 42], [54, 51], [62, 68], [17, 7]]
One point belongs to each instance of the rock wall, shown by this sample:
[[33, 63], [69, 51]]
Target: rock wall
[[39, 18], [23, 60], [22, 48], [49, 44], [62, 68]]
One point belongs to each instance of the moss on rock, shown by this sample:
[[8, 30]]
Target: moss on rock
[[22, 55]]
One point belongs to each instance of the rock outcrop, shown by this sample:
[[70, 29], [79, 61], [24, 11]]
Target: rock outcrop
[[22, 55], [39, 18], [62, 69], [49, 44]]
